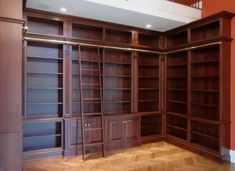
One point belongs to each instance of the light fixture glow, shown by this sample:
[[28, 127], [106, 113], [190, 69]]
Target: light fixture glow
[[62, 9], [148, 26]]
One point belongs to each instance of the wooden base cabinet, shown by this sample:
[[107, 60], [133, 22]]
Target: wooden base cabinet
[[121, 131], [73, 134], [73, 137]]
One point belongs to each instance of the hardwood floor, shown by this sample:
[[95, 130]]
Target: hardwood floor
[[159, 156]]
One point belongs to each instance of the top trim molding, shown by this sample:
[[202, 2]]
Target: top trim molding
[[12, 20]]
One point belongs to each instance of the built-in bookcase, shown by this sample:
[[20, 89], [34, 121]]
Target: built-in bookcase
[[43, 127], [43, 26], [205, 72], [42, 135], [118, 36], [87, 32], [177, 38], [117, 74], [90, 73], [148, 41], [75, 83], [44, 83], [177, 94], [151, 125], [206, 31], [148, 82], [197, 112], [205, 96], [176, 83]]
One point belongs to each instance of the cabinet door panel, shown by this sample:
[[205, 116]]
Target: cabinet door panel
[[115, 132], [92, 136], [73, 137], [131, 129]]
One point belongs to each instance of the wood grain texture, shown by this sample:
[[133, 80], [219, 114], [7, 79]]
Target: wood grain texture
[[149, 157], [10, 151], [11, 77], [12, 8], [11, 85]]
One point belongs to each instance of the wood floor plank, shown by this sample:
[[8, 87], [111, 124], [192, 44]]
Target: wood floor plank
[[159, 156]]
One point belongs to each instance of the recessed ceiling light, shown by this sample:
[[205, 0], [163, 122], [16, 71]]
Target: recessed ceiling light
[[62, 9], [148, 26]]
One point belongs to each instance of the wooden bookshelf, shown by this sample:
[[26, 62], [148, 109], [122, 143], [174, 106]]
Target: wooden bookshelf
[[148, 82], [176, 82], [179, 124], [117, 81], [177, 38], [205, 104], [44, 98], [208, 31], [148, 40], [118, 36], [180, 93], [44, 26], [151, 125], [195, 87], [87, 32]]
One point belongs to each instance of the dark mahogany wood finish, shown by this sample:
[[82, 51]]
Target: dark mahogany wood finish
[[175, 92]]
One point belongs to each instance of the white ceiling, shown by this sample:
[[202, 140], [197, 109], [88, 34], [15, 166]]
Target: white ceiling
[[161, 14]]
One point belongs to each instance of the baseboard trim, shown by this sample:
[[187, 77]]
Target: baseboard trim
[[232, 156]]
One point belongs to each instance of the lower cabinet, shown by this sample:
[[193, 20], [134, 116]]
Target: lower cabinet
[[73, 134], [121, 131]]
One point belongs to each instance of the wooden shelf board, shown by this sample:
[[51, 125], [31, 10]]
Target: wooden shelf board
[[204, 62], [175, 137], [178, 114], [205, 105], [46, 73], [46, 118], [150, 113], [176, 101], [178, 77], [203, 120], [113, 88], [177, 65], [148, 65], [149, 89], [41, 135], [205, 77], [124, 76], [176, 89], [148, 77], [205, 90], [118, 101], [204, 135], [116, 63], [176, 127], [44, 58], [44, 103], [45, 88], [150, 100], [124, 112]]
